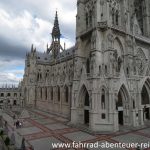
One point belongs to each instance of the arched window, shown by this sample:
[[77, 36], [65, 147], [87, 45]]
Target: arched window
[[117, 17], [113, 16], [133, 104], [46, 93], [58, 88], [2, 94], [145, 96], [47, 74], [88, 66], [66, 94], [99, 70], [127, 71], [103, 99], [38, 77], [41, 92], [86, 18], [87, 102], [106, 69], [90, 17]]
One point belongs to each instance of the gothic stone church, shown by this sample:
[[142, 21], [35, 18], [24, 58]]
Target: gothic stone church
[[103, 82]]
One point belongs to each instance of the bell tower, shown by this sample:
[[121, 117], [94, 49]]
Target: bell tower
[[55, 45]]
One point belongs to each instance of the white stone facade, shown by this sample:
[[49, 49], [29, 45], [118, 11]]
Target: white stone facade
[[105, 77]]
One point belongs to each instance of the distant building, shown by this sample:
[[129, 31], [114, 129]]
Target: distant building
[[10, 96], [104, 81]]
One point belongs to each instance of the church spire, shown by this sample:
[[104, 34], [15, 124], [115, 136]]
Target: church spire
[[55, 47], [56, 31]]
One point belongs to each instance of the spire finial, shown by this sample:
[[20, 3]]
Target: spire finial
[[56, 31], [32, 48]]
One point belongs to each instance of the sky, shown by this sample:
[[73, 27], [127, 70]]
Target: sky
[[27, 22]]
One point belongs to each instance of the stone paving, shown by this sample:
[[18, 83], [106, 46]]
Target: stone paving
[[42, 129]]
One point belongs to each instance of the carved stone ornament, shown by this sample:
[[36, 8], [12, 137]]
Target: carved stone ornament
[[140, 61]]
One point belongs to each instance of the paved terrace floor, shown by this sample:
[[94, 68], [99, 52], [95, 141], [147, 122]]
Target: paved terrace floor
[[42, 129]]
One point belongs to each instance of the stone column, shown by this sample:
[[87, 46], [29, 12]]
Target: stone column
[[74, 115], [114, 113], [141, 115], [115, 118], [70, 95], [111, 106], [134, 118], [74, 109]]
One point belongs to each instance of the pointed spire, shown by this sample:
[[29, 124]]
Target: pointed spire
[[64, 46], [47, 46], [32, 48], [56, 31]]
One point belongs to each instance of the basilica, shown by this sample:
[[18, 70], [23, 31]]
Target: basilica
[[103, 82]]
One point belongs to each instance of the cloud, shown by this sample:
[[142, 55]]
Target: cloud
[[27, 23], [9, 78], [11, 70], [23, 30]]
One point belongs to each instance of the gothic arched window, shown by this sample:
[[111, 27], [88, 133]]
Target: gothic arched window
[[145, 96], [38, 77], [88, 66], [99, 70], [113, 17], [41, 92], [133, 104], [66, 94], [46, 93], [87, 21], [117, 17], [103, 99], [105, 69], [47, 74], [58, 88]]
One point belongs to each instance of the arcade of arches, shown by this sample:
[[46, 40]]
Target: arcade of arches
[[145, 101], [122, 106], [84, 106], [126, 112], [54, 98]]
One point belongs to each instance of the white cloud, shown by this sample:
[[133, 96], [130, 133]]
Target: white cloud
[[32, 22], [9, 78], [26, 29]]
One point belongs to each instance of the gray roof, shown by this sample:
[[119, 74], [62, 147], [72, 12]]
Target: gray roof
[[47, 58], [43, 57]]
